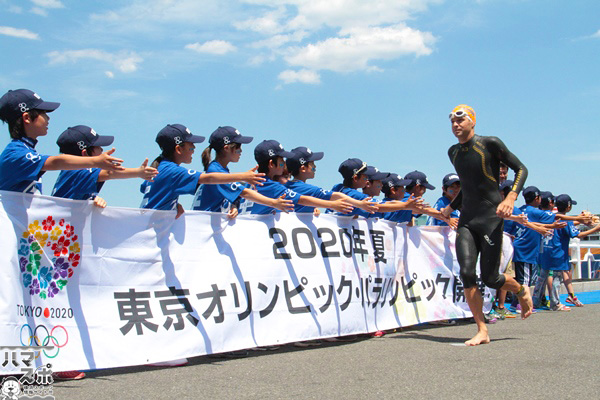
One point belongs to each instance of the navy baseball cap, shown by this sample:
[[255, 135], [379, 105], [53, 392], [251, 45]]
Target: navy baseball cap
[[172, 135], [301, 156], [419, 178], [224, 135], [268, 149], [77, 138], [564, 201], [507, 184], [546, 195], [352, 167], [16, 102], [530, 193], [373, 174], [394, 180], [450, 179]]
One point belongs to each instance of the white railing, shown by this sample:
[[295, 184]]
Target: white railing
[[576, 259]]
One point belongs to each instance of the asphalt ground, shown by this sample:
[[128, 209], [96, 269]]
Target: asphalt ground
[[550, 355]]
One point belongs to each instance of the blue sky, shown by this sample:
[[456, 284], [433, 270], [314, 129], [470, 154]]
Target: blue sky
[[353, 78]]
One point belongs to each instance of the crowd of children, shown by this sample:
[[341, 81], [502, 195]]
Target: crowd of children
[[278, 183]]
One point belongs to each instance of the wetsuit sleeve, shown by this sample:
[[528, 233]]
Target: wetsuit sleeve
[[499, 150], [457, 202]]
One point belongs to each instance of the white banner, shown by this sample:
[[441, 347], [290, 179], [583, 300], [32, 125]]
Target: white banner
[[116, 287]]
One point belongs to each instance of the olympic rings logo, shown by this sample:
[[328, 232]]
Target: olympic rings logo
[[34, 337]]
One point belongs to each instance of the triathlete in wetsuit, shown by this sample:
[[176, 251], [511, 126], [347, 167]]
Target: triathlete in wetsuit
[[477, 159], [477, 163]]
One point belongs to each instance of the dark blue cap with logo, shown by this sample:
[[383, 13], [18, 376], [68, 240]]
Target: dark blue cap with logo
[[450, 179], [176, 134], [506, 186], [75, 139], [394, 180], [16, 102], [268, 149], [545, 195], [419, 178], [373, 174], [563, 201], [225, 135], [352, 167], [302, 156], [530, 193]]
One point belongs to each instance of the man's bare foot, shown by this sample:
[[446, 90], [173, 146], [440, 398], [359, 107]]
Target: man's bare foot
[[480, 338], [526, 303]]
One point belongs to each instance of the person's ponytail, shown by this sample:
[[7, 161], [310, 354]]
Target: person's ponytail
[[206, 157]]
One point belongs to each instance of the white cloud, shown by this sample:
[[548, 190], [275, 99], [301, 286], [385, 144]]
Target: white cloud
[[277, 41], [360, 46], [268, 24], [125, 62], [39, 11], [154, 14], [15, 9], [20, 33], [313, 14], [219, 47], [595, 35], [109, 74], [48, 3], [303, 76]]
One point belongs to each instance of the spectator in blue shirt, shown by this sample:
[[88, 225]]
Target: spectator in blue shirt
[[301, 165], [269, 155], [450, 189], [84, 184], [227, 142], [21, 166], [177, 145]]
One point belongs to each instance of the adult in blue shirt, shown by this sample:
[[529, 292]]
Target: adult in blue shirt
[[227, 142], [21, 166]]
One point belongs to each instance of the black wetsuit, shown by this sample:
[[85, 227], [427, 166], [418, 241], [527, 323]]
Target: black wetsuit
[[477, 164]]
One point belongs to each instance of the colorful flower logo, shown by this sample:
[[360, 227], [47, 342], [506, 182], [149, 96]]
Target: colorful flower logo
[[48, 254]]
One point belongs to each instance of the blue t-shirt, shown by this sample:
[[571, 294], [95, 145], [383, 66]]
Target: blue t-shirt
[[556, 248], [527, 241], [401, 215], [355, 194], [511, 227], [217, 197], [306, 189], [273, 190], [79, 184], [171, 181], [442, 203], [21, 167]]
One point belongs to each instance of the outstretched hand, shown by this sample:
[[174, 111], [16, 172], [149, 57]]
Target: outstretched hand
[[252, 177], [283, 204], [147, 173], [342, 206], [109, 163]]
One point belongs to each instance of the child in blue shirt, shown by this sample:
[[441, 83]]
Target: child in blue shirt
[[355, 175], [269, 155], [560, 248], [21, 166], [301, 165], [84, 184], [177, 145], [227, 143], [450, 189]]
